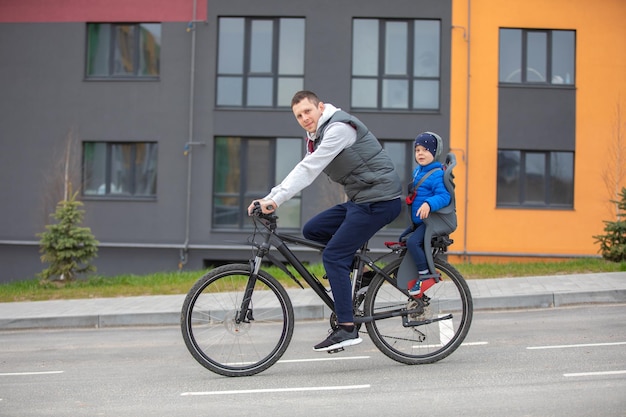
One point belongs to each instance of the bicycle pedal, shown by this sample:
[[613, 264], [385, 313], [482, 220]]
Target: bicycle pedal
[[340, 349]]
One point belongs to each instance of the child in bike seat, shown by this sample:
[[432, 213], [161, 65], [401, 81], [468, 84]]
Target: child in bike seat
[[427, 194]]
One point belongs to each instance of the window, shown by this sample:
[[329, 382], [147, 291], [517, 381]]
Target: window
[[260, 61], [246, 169], [123, 50], [535, 179], [395, 64], [536, 170], [402, 154], [537, 56], [118, 169]]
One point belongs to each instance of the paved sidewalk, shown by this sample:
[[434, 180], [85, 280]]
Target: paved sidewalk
[[527, 292]]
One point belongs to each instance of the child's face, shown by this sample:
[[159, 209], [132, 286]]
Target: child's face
[[423, 155]]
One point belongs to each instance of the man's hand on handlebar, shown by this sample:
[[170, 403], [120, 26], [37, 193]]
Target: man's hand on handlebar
[[266, 206]]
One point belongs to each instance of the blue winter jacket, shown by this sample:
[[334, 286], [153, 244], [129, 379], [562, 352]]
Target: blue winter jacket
[[432, 190]]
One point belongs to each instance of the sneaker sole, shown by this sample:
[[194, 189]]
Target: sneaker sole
[[345, 343]]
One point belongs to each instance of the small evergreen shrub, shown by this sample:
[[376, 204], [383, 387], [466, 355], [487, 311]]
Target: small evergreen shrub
[[613, 242], [67, 247]]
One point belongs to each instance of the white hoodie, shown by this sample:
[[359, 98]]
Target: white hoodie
[[337, 137]]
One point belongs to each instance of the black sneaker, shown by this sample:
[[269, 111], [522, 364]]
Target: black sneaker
[[339, 338]]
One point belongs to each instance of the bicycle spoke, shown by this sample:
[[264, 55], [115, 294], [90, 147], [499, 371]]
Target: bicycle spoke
[[215, 336], [434, 326]]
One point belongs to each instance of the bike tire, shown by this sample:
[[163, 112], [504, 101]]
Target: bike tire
[[217, 341], [428, 342]]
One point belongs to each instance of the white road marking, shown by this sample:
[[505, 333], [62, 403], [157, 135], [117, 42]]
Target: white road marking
[[440, 345], [343, 358], [446, 330], [30, 373], [576, 346], [474, 343], [595, 373], [257, 391]]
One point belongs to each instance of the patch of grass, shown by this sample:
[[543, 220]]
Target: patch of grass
[[165, 283], [521, 269]]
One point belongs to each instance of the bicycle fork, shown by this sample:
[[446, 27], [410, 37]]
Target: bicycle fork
[[244, 315]]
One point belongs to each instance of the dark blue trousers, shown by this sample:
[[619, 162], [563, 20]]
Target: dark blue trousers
[[415, 246], [344, 228]]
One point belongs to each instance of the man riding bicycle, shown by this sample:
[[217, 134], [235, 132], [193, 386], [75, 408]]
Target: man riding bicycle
[[341, 146]]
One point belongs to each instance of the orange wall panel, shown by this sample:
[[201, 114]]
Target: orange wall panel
[[600, 91]]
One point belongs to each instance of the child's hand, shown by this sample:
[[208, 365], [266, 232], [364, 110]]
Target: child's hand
[[423, 211]]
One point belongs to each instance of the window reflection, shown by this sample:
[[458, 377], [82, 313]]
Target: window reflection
[[508, 176], [561, 170], [396, 48], [401, 153], [120, 169], [246, 169], [403, 71], [260, 61], [123, 50], [365, 47], [535, 178], [537, 57], [426, 40], [549, 56]]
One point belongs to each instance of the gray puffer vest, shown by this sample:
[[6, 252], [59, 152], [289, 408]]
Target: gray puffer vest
[[364, 169]]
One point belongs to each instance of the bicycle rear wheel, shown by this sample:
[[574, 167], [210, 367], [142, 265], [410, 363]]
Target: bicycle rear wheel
[[213, 334], [441, 324]]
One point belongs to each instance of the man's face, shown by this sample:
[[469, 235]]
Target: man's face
[[308, 114]]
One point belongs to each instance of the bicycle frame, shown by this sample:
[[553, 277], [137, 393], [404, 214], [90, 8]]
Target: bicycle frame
[[280, 241]]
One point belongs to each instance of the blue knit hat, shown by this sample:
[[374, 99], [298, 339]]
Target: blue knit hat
[[431, 141]]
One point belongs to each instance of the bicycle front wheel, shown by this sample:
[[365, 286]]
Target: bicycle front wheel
[[436, 328], [216, 337]]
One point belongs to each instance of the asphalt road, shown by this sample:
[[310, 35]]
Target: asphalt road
[[543, 362]]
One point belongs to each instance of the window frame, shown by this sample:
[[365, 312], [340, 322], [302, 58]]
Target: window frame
[[108, 172], [549, 80], [522, 180], [136, 55], [406, 178], [244, 195], [381, 77], [247, 74]]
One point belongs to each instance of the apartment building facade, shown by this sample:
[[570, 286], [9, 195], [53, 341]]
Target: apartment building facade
[[169, 117]]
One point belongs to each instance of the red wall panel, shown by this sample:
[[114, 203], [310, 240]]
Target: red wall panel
[[101, 10]]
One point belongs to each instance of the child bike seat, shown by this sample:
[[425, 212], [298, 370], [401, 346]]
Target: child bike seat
[[442, 222]]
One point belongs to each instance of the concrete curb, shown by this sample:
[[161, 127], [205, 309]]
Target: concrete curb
[[164, 310], [303, 312]]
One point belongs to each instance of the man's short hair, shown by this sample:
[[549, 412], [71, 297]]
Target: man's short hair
[[301, 95]]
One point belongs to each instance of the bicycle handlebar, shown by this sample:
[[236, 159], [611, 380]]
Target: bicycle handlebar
[[257, 211]]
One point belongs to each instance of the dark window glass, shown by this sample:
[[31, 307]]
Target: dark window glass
[[562, 179], [122, 50], [246, 169], [120, 169], [402, 154], [535, 179], [508, 177]]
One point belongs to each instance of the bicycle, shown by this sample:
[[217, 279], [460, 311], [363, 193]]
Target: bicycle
[[238, 320]]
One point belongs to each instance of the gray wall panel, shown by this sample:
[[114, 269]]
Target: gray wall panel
[[45, 97], [537, 118]]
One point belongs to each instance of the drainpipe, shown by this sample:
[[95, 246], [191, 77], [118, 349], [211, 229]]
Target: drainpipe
[[465, 152], [191, 27], [467, 127]]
